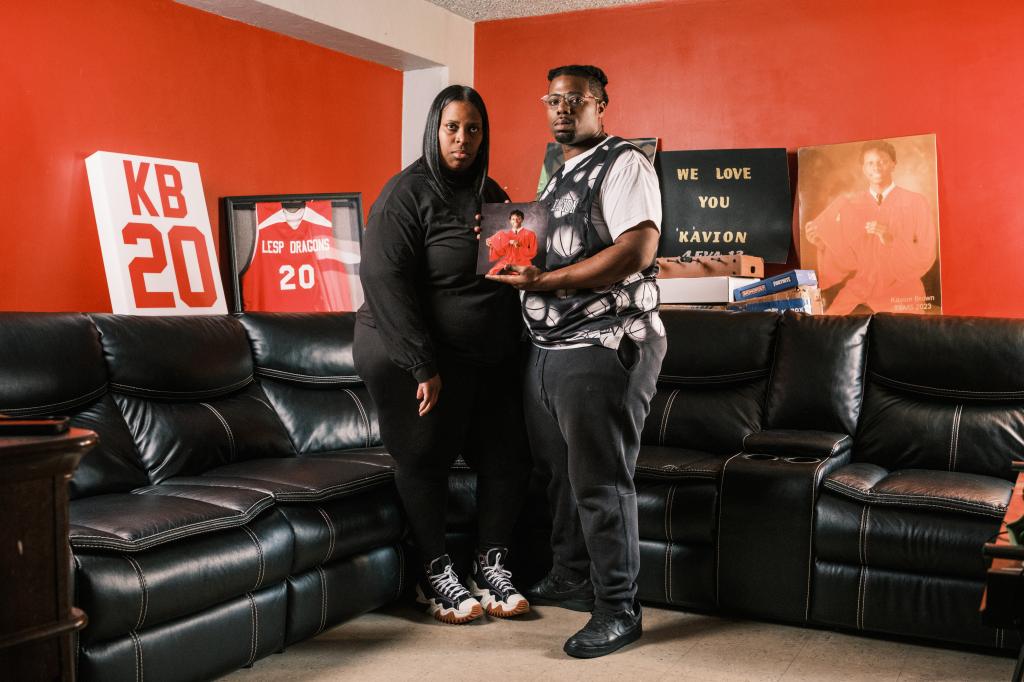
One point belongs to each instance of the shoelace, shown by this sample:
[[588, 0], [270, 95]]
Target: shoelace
[[447, 583], [499, 577]]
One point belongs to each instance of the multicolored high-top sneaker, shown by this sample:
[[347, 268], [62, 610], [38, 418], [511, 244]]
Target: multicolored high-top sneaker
[[491, 583], [446, 598]]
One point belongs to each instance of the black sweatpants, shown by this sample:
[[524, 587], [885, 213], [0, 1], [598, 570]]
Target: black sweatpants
[[585, 410], [478, 415]]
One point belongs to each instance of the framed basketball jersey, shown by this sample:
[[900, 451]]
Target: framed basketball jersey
[[295, 253]]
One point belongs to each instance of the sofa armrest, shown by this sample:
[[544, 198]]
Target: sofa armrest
[[792, 443]]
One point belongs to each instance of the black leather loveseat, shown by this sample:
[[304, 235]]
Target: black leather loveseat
[[837, 471], [238, 500]]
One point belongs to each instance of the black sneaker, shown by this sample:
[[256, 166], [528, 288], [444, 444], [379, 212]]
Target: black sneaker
[[491, 583], [554, 590], [606, 632], [446, 598]]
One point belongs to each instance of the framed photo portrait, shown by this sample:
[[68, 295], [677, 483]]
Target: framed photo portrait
[[295, 252], [869, 224]]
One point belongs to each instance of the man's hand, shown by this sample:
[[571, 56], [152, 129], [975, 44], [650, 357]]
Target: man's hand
[[513, 242], [525, 278], [427, 393], [486, 241], [880, 230]]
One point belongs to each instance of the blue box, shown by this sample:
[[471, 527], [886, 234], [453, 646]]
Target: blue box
[[771, 285]]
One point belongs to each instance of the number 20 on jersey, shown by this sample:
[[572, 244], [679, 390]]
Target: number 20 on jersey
[[154, 230]]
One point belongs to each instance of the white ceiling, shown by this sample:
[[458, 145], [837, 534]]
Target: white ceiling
[[482, 10]]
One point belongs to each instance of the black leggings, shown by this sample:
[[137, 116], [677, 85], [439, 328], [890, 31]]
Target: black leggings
[[478, 415]]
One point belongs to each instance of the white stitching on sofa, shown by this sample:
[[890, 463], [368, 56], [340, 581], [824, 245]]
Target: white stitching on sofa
[[867, 529], [949, 391], [860, 536], [309, 378], [714, 378], [189, 530], [70, 402], [668, 537], [206, 393], [718, 530], [366, 420], [835, 446], [668, 570], [815, 480], [138, 656], [254, 639], [914, 500], [330, 534], [144, 604], [227, 427], [259, 551], [957, 416], [323, 598], [665, 416]]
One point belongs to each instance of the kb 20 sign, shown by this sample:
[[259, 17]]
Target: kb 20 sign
[[155, 235]]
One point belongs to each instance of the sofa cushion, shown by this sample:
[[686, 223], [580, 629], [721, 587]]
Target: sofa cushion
[[916, 521], [943, 393], [302, 348], [156, 515], [188, 437], [961, 358], [123, 592], [681, 510], [186, 357], [922, 489], [342, 527], [712, 385], [818, 373], [660, 462], [903, 430], [306, 479], [304, 364], [32, 347]]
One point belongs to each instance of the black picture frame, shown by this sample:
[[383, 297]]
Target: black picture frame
[[240, 221]]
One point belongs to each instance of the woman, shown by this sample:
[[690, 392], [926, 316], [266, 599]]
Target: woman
[[437, 346]]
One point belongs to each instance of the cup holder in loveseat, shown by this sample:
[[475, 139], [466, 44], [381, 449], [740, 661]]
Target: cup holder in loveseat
[[761, 458], [803, 460]]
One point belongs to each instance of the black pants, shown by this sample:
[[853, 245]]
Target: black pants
[[478, 415], [585, 410]]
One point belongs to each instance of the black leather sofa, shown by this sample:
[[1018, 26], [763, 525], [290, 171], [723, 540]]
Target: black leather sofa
[[832, 471]]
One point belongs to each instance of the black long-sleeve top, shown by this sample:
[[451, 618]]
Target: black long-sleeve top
[[418, 272]]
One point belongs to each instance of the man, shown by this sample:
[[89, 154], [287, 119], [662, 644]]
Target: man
[[597, 349], [883, 240], [514, 246]]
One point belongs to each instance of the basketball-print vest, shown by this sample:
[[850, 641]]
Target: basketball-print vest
[[571, 317]]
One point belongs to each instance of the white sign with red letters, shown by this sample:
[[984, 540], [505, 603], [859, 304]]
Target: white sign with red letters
[[155, 235]]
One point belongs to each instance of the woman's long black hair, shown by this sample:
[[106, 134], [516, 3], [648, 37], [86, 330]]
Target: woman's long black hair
[[477, 173]]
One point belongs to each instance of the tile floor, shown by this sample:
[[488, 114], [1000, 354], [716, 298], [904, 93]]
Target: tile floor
[[401, 643]]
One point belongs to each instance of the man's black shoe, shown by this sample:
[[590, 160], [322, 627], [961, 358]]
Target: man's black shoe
[[606, 632], [553, 590]]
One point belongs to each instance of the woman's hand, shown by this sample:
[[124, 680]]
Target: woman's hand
[[427, 393]]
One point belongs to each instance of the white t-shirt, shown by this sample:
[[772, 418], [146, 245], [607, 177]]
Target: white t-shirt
[[628, 195]]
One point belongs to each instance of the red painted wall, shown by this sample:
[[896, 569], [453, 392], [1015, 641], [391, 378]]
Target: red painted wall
[[259, 112], [764, 73]]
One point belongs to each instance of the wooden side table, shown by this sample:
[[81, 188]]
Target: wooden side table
[[36, 616]]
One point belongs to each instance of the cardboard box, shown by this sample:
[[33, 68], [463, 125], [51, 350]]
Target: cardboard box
[[803, 299], [700, 289], [771, 285], [711, 266]]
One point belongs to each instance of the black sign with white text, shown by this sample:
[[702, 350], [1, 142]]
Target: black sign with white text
[[725, 201]]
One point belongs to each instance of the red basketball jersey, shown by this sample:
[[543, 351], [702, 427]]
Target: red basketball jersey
[[296, 265]]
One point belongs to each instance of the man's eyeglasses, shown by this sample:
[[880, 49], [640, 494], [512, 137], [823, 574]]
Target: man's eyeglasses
[[574, 100]]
